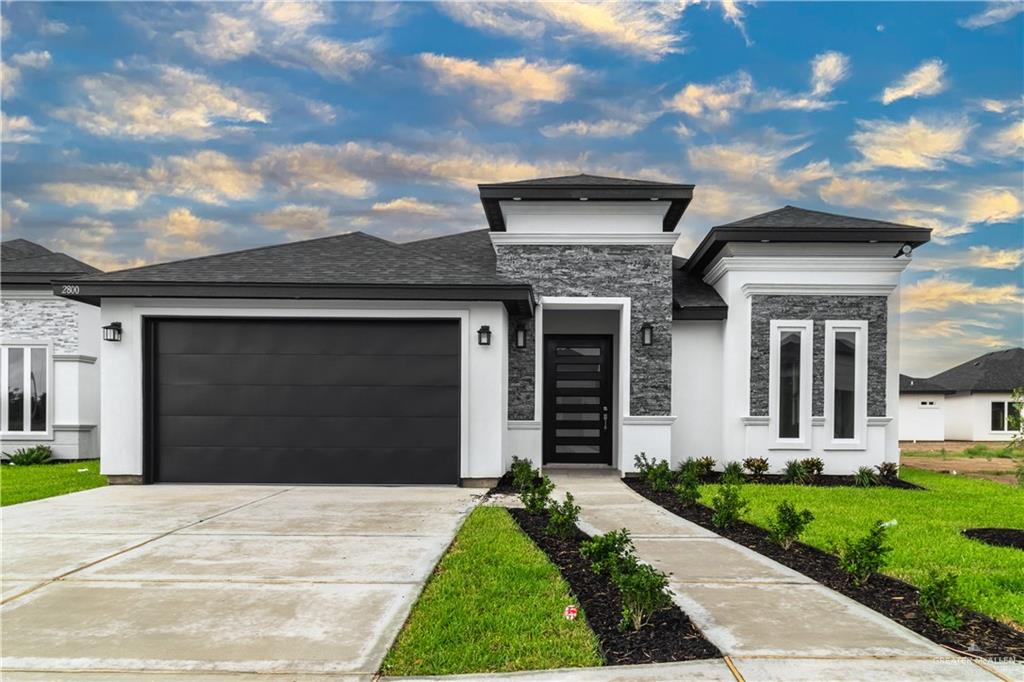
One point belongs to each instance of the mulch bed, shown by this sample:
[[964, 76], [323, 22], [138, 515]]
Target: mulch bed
[[669, 637], [1000, 537], [980, 636], [822, 481]]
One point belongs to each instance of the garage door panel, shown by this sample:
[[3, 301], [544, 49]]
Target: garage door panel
[[311, 370], [308, 431], [309, 337], [323, 401]]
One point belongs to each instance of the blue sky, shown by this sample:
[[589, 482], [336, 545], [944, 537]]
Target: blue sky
[[139, 133]]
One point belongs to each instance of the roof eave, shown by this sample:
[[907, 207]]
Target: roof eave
[[701, 313]]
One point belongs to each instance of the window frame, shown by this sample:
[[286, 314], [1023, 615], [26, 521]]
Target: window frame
[[806, 330], [25, 435], [860, 390], [1006, 416]]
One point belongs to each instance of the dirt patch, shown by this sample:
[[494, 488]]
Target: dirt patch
[[980, 635], [669, 637], [996, 469], [1000, 537], [947, 445]]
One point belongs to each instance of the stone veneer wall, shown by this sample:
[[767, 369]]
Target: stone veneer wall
[[41, 319], [763, 309], [641, 272]]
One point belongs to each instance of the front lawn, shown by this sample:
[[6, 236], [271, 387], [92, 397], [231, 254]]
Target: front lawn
[[494, 604], [927, 534], [24, 483]]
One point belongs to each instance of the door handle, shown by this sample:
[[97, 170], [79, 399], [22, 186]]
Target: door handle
[[605, 416]]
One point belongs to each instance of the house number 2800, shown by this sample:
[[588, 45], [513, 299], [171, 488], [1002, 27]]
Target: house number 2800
[[70, 289]]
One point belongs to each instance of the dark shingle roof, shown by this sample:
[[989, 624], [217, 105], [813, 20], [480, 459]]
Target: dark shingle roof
[[915, 385], [471, 249], [692, 297], [25, 262], [803, 218], [581, 180], [1001, 370]]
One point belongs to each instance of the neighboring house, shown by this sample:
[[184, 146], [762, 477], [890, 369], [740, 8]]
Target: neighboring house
[[48, 356], [565, 333], [972, 401]]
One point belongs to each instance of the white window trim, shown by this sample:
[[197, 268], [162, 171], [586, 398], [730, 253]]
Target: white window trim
[[50, 403], [1006, 417], [806, 330], [860, 396]]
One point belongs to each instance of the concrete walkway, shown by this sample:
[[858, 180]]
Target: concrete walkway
[[773, 622], [195, 582]]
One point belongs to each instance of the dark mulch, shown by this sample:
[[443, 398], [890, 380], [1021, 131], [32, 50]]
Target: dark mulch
[[504, 486], [669, 637], [822, 481], [1000, 537], [980, 635]]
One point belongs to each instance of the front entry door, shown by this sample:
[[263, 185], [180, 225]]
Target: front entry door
[[578, 414]]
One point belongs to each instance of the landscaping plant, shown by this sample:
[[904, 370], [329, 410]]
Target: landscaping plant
[[605, 552], [706, 465], [865, 477], [732, 473], [522, 473], [757, 466], [643, 589], [794, 472], [728, 505], [864, 556], [688, 488], [889, 471], [562, 517], [655, 472], [535, 496], [788, 524], [37, 454], [940, 601], [813, 467]]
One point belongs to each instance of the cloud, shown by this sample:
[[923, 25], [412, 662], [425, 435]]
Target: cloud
[[1008, 141], [10, 79], [50, 27], [17, 129], [924, 81], [941, 293], [103, 197], [298, 221], [602, 128], [994, 13], [734, 15], [37, 59], [316, 167], [10, 74], [714, 103], [207, 176], [913, 145], [759, 164], [163, 102], [984, 257], [5, 27], [828, 69], [509, 88], [88, 239], [409, 205], [644, 29], [179, 234], [942, 230], [1001, 106], [994, 205]]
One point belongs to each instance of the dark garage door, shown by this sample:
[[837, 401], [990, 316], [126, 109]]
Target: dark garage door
[[304, 401]]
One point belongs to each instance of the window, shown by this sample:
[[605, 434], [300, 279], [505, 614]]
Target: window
[[927, 403], [846, 372], [790, 382], [1005, 416], [25, 376]]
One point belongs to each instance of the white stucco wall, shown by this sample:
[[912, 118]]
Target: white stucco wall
[[483, 371], [969, 417], [922, 422], [697, 367]]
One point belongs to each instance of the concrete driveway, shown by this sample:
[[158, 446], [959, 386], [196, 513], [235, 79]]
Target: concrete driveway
[[211, 579]]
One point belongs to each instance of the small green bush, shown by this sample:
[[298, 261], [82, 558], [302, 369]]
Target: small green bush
[[728, 505], [37, 454], [865, 478], [813, 467], [536, 495], [756, 466], [605, 552], [688, 487], [939, 598], [794, 472], [522, 473], [644, 592], [732, 473], [864, 556], [706, 465], [889, 471], [562, 517], [788, 524], [656, 473]]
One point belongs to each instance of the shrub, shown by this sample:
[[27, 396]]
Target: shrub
[[728, 504], [643, 589], [655, 472], [536, 495], [757, 466], [794, 472], [939, 599], [864, 556], [522, 473], [706, 465], [562, 517], [865, 477], [813, 466], [37, 454], [889, 471], [688, 487], [788, 524], [732, 473], [605, 552]]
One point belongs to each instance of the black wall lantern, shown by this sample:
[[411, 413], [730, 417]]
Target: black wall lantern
[[483, 335], [112, 332], [647, 334], [520, 336]]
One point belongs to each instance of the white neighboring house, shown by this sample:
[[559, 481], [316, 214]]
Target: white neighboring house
[[49, 348], [970, 402], [565, 333]]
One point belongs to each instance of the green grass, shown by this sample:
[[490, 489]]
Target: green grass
[[979, 451], [21, 484], [927, 533], [494, 604]]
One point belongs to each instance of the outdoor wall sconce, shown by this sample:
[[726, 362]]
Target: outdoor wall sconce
[[483, 336], [647, 334], [520, 336], [112, 332]]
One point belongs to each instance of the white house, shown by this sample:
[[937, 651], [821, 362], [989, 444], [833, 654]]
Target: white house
[[49, 347], [566, 333], [970, 402]]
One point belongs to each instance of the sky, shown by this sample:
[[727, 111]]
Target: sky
[[142, 133]]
